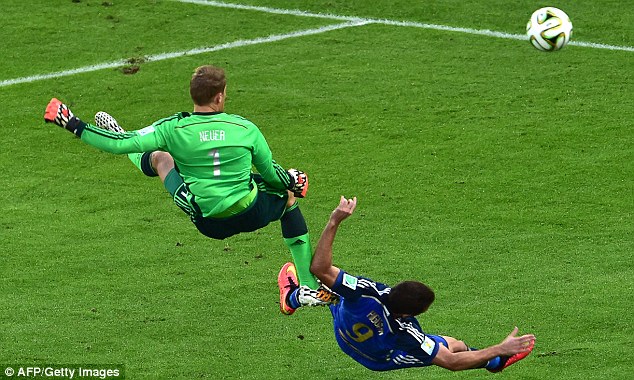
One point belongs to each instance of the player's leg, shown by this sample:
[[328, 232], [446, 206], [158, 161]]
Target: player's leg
[[143, 161], [455, 345], [293, 296], [288, 284], [297, 239], [153, 164], [177, 188], [294, 229], [506, 361], [162, 163]]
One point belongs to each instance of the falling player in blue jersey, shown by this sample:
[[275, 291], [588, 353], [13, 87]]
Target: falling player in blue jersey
[[376, 324]]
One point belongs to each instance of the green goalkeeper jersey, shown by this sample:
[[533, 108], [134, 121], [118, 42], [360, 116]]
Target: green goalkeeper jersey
[[214, 152]]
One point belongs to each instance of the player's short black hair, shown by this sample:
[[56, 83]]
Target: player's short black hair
[[410, 297], [207, 81]]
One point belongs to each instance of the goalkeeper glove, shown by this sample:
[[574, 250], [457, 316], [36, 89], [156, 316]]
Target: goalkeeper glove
[[59, 114], [299, 183]]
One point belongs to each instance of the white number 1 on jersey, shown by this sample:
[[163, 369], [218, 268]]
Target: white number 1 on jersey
[[216, 155]]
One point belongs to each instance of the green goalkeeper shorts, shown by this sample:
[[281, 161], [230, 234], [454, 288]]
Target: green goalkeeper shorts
[[266, 207]]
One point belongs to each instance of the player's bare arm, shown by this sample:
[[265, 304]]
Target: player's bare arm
[[321, 265], [457, 361]]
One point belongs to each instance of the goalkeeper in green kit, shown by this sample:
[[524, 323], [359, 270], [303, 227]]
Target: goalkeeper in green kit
[[204, 160]]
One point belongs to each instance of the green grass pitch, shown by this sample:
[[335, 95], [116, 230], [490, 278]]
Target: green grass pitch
[[499, 175]]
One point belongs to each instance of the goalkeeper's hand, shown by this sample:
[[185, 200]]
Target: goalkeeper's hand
[[299, 183], [59, 114]]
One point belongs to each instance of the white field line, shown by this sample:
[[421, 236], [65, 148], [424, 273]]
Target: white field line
[[482, 32], [65, 73], [295, 12], [291, 12], [202, 50], [351, 21]]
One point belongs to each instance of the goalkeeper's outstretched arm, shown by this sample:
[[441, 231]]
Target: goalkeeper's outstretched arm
[[119, 143]]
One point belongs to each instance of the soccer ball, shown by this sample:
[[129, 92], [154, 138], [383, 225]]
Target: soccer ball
[[549, 29]]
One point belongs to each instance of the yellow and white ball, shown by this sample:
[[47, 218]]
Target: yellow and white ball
[[549, 29]]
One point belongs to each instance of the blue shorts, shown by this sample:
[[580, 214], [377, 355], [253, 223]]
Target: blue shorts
[[439, 339]]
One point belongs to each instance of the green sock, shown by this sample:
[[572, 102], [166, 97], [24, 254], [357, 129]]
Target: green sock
[[302, 256], [143, 161], [136, 159]]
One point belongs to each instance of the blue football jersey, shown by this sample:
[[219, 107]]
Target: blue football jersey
[[366, 331]]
